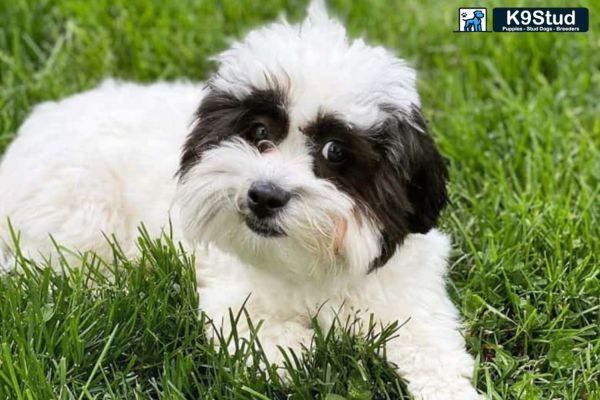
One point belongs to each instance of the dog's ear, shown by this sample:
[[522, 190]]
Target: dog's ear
[[418, 169], [427, 176], [408, 191]]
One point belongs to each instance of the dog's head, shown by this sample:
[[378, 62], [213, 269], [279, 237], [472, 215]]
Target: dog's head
[[310, 154]]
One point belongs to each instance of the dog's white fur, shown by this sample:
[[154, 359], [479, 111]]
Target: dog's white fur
[[105, 161]]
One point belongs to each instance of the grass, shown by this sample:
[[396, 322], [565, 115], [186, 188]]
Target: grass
[[517, 115]]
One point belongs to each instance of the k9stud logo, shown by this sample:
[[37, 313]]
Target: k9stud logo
[[541, 19]]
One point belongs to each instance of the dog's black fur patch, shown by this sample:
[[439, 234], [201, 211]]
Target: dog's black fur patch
[[393, 171], [222, 116]]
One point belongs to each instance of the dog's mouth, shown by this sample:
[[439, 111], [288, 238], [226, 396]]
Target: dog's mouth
[[263, 227]]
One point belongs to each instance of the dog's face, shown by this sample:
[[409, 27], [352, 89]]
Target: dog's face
[[310, 154]]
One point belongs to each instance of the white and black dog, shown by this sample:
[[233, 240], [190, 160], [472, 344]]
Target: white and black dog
[[307, 160]]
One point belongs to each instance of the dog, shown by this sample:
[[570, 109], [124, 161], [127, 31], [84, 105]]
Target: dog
[[301, 172], [474, 24]]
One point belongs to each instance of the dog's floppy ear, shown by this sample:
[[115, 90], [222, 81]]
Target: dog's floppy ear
[[417, 168], [427, 176], [408, 191]]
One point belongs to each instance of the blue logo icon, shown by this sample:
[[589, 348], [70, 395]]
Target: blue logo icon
[[472, 19]]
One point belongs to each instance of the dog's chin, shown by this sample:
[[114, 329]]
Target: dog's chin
[[264, 228]]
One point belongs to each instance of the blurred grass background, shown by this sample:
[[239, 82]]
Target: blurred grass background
[[518, 115]]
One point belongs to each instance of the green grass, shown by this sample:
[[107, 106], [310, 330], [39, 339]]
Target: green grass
[[517, 115]]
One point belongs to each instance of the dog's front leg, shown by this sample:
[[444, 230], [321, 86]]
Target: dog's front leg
[[427, 350], [435, 365], [240, 305], [251, 324]]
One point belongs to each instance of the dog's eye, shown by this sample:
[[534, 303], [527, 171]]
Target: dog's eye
[[334, 152], [259, 132]]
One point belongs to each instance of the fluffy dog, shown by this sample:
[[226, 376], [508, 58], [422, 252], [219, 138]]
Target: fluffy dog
[[307, 169]]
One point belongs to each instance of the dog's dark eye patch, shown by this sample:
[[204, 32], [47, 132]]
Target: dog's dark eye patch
[[394, 173], [361, 154], [222, 116]]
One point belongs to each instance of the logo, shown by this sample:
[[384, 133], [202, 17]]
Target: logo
[[541, 19], [472, 19]]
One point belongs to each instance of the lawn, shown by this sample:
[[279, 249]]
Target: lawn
[[517, 115]]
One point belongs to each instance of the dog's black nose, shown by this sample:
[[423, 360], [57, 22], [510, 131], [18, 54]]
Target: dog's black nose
[[266, 199]]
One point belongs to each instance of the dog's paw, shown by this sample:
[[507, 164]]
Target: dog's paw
[[435, 375], [459, 390], [277, 342], [287, 336]]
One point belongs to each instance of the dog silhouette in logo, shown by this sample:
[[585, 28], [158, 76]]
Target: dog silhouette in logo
[[474, 24]]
